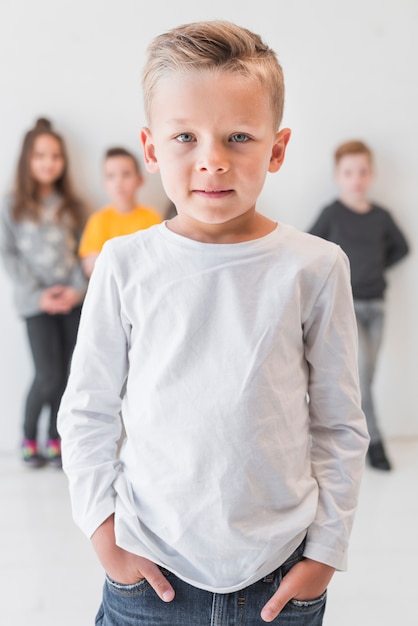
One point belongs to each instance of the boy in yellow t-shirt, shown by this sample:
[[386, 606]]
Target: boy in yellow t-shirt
[[122, 179]]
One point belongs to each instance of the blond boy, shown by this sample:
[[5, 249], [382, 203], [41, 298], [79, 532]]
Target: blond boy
[[373, 242], [235, 490], [122, 179]]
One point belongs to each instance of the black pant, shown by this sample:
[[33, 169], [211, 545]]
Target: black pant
[[52, 339]]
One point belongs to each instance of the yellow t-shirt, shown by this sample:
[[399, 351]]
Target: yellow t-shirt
[[108, 223]]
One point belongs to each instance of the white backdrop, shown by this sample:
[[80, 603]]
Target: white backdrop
[[349, 70]]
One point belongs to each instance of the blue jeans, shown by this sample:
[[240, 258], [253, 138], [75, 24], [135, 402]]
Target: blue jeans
[[139, 605], [370, 318]]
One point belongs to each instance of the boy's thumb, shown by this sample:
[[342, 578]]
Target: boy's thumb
[[159, 583]]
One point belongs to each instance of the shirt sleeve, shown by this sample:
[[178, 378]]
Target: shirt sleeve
[[396, 244], [338, 428], [89, 419], [321, 226], [27, 288], [152, 217], [93, 237], [78, 279]]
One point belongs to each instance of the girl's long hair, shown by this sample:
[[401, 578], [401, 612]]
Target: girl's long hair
[[27, 203]]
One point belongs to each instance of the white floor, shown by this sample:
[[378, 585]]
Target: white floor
[[49, 574]]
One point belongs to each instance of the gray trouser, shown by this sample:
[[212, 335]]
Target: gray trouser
[[370, 317]]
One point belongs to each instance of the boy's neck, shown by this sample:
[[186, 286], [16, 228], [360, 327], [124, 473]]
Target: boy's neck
[[125, 207], [235, 231], [357, 204]]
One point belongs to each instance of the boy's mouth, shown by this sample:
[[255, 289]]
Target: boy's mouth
[[212, 193]]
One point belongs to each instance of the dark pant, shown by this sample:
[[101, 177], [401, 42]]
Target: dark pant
[[139, 605], [52, 339]]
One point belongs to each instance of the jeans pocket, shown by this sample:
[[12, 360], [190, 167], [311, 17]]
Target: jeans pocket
[[305, 612], [307, 605], [127, 590]]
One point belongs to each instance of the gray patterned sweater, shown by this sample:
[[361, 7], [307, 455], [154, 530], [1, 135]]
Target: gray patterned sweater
[[39, 255]]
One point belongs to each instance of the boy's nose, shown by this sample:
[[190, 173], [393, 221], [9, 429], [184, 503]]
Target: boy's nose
[[213, 159]]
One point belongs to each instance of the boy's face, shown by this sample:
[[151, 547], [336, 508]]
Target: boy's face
[[212, 139], [354, 175], [121, 180]]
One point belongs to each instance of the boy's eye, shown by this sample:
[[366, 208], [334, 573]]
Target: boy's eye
[[239, 138], [185, 138]]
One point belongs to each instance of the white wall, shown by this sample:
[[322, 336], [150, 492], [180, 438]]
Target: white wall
[[349, 71]]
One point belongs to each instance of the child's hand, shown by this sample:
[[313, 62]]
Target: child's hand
[[307, 580], [127, 568], [50, 300], [59, 299], [68, 299]]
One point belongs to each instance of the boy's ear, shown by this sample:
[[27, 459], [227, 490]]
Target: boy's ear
[[150, 158], [279, 149]]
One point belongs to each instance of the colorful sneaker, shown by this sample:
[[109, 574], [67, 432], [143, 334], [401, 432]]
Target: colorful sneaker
[[53, 453], [31, 456]]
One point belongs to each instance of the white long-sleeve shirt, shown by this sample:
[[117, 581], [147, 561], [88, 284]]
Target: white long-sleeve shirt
[[244, 431]]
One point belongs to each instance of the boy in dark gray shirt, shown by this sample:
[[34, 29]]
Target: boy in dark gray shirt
[[373, 242]]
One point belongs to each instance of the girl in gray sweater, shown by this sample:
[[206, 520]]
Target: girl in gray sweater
[[40, 224]]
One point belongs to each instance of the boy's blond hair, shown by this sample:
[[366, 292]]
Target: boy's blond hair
[[213, 45], [352, 147]]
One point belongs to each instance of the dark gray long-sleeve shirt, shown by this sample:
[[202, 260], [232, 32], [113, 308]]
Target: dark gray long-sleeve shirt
[[372, 241]]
